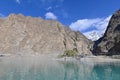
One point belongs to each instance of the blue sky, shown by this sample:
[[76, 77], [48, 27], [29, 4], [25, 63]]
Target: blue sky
[[81, 15]]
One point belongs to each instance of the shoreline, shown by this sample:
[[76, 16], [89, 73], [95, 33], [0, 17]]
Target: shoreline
[[54, 57], [99, 59]]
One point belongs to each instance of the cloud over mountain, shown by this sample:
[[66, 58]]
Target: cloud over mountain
[[50, 15], [86, 26]]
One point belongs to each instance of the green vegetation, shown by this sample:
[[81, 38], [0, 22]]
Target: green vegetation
[[70, 53]]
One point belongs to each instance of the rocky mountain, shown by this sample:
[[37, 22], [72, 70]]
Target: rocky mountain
[[109, 44], [28, 35]]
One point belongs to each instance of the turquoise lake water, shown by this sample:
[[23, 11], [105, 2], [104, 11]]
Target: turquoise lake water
[[57, 70]]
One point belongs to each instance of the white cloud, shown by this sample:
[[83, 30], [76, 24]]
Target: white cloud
[[50, 15], [84, 24], [103, 23], [18, 1], [87, 26]]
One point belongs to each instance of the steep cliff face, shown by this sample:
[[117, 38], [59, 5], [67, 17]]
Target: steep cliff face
[[109, 44], [24, 35]]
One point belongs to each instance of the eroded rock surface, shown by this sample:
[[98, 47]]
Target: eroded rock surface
[[24, 35]]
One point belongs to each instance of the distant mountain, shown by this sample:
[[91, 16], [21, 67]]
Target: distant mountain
[[93, 35], [28, 35], [109, 44]]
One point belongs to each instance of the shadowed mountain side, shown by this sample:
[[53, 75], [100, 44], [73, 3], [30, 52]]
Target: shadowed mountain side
[[109, 44]]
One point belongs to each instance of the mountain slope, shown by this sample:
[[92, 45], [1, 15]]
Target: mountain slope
[[109, 44], [24, 35]]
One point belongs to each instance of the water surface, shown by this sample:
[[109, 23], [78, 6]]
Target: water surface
[[38, 69]]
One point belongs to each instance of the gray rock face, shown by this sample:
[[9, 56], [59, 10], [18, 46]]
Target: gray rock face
[[109, 44], [24, 35]]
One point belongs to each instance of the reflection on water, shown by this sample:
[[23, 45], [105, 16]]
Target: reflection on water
[[30, 69]]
